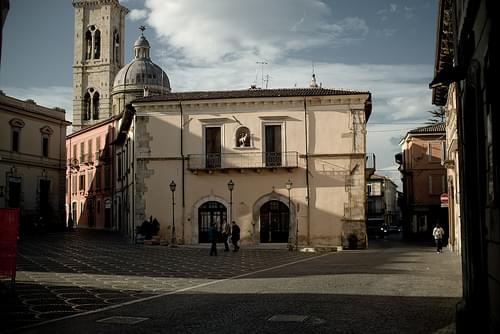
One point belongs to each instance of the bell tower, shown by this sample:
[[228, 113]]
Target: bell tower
[[98, 56]]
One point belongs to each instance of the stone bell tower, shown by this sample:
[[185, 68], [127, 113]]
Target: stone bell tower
[[98, 56]]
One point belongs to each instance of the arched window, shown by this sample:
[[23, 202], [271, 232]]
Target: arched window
[[243, 137], [88, 45], [86, 107], [116, 49], [97, 44], [95, 103]]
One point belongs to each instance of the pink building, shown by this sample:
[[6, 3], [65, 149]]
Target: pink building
[[424, 180], [89, 175]]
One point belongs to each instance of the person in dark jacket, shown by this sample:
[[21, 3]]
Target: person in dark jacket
[[212, 237], [235, 236]]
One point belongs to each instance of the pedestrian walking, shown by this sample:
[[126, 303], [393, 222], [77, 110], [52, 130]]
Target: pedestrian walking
[[438, 234], [212, 237], [226, 232], [235, 236]]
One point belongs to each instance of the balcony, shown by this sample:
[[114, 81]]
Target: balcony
[[257, 161]]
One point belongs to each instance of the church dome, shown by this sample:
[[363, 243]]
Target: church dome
[[141, 73]]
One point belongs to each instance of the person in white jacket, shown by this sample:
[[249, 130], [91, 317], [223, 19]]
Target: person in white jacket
[[438, 234]]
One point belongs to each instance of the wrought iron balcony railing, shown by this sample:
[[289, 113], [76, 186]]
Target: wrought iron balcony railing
[[254, 160]]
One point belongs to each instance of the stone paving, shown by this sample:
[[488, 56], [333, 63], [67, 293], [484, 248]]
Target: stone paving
[[69, 273]]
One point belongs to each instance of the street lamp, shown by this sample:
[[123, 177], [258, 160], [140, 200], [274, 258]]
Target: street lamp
[[174, 238], [230, 186], [289, 188]]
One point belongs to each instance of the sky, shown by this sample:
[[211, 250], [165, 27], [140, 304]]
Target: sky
[[382, 46]]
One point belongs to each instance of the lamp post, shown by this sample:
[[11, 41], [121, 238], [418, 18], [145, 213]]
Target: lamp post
[[174, 238], [230, 186], [289, 188]]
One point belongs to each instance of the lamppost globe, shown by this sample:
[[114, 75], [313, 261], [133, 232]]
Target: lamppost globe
[[172, 186], [289, 185], [230, 185]]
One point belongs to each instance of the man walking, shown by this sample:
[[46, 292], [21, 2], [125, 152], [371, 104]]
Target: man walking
[[235, 236], [438, 234]]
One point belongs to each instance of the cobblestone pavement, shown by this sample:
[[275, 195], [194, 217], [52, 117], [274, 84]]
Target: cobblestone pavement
[[391, 288], [64, 274]]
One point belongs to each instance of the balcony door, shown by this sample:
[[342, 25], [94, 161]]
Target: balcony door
[[212, 147], [273, 145]]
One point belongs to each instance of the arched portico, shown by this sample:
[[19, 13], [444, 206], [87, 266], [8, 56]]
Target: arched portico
[[264, 201], [195, 236]]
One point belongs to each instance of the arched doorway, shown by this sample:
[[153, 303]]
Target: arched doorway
[[274, 222], [210, 212]]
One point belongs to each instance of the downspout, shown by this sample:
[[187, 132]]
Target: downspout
[[70, 225], [307, 176], [133, 179], [183, 172]]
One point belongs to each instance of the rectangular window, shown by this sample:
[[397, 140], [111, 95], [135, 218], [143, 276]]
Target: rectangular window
[[434, 151], [82, 152], [273, 145], [97, 179], [15, 140], [45, 146], [119, 166], [89, 151], [82, 183], [74, 152], [213, 147]]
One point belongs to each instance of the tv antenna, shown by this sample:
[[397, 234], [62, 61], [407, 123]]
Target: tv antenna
[[262, 63]]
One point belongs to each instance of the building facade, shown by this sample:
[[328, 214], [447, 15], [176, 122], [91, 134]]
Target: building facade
[[32, 162], [89, 177], [295, 158], [382, 210], [472, 66], [424, 180]]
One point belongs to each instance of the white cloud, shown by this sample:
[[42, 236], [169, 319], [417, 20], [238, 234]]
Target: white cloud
[[138, 14], [210, 31]]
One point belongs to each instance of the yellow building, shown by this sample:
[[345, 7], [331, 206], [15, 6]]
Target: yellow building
[[32, 162]]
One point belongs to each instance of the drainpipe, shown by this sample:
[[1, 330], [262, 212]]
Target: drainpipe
[[307, 175], [183, 173], [133, 180]]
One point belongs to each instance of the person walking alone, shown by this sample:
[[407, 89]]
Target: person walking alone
[[212, 237], [438, 234], [226, 232], [235, 236]]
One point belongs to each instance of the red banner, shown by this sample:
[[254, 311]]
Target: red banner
[[9, 222]]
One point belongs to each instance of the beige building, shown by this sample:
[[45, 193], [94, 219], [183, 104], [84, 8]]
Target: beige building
[[445, 96], [32, 162], [259, 140], [176, 153]]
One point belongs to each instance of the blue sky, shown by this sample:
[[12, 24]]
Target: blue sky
[[386, 47]]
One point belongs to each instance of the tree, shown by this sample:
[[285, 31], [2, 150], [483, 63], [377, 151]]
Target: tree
[[436, 116]]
